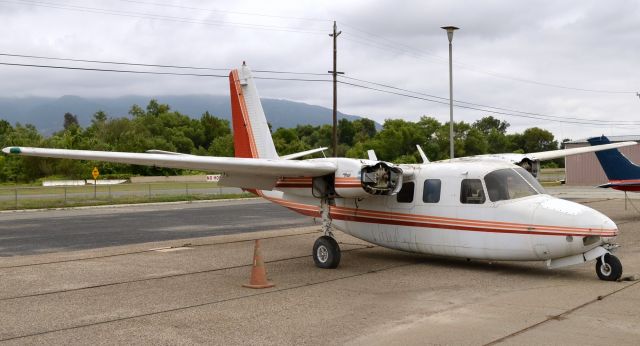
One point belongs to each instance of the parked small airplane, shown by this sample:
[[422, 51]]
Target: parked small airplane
[[623, 174], [485, 207]]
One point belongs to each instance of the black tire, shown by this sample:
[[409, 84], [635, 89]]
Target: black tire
[[610, 270], [326, 253]]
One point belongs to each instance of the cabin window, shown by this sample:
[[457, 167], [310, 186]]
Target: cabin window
[[505, 184], [471, 191], [406, 193], [431, 191]]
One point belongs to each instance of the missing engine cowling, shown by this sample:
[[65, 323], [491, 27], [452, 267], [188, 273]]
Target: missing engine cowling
[[381, 179], [532, 166]]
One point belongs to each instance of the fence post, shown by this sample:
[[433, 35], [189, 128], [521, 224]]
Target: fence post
[[65, 196], [187, 190], [16, 191]]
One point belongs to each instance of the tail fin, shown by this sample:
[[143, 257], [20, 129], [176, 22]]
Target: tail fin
[[616, 166], [251, 135]]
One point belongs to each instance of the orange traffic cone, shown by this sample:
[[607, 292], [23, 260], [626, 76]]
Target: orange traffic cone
[[258, 272]]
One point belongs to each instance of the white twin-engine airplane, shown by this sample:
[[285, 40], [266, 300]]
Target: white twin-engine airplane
[[485, 207]]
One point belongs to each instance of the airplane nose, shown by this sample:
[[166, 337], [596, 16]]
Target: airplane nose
[[574, 218]]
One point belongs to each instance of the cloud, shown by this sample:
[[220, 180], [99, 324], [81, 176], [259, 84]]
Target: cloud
[[507, 54]]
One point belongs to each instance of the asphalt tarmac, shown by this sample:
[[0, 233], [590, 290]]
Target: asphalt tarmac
[[32, 232], [163, 292]]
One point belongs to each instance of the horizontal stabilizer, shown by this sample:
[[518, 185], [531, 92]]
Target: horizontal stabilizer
[[303, 153], [157, 151]]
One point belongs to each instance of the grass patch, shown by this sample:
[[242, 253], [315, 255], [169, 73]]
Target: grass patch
[[41, 197], [48, 203]]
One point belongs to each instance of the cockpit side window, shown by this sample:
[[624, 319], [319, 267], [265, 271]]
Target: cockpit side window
[[471, 191], [431, 191], [405, 195], [530, 179], [507, 183]]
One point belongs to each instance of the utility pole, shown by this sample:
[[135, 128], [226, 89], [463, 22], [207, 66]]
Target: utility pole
[[335, 87]]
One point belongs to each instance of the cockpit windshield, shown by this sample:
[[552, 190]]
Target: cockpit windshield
[[511, 183]]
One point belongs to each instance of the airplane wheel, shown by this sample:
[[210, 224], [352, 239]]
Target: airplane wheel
[[326, 253], [610, 270]]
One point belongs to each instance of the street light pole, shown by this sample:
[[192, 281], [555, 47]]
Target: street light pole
[[450, 30]]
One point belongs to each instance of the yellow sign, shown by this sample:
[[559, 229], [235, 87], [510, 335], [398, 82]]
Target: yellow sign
[[95, 173]]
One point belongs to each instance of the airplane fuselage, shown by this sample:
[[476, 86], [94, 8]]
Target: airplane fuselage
[[447, 209]]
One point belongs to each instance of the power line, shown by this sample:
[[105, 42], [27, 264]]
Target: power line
[[13, 55], [405, 49], [404, 93], [481, 105], [112, 62], [551, 85], [229, 12], [142, 15], [421, 54], [585, 122], [154, 72], [393, 44], [112, 70]]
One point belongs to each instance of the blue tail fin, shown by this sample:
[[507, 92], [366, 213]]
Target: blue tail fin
[[616, 166]]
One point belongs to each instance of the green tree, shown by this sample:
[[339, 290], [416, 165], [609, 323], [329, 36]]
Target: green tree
[[488, 124], [213, 128], [535, 139], [70, 121], [346, 132]]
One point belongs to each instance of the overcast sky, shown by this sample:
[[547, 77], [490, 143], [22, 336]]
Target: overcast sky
[[527, 56]]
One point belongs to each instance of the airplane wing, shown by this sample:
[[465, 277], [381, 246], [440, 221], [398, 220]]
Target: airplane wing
[[531, 161], [265, 172], [552, 154]]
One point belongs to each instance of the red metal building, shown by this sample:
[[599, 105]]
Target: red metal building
[[585, 170]]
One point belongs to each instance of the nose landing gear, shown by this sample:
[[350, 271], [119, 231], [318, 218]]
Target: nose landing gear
[[608, 267]]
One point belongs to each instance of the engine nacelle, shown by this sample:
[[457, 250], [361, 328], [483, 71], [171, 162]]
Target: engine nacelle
[[363, 178], [532, 166]]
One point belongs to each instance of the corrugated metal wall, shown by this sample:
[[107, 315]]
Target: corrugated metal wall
[[585, 169]]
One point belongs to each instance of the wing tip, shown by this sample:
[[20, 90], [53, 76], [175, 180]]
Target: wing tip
[[12, 150]]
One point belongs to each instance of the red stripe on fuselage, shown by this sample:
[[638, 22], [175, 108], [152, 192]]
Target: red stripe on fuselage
[[411, 220]]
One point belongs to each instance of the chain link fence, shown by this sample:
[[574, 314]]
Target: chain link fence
[[20, 197]]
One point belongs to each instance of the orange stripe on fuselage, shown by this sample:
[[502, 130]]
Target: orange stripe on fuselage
[[400, 219], [304, 182]]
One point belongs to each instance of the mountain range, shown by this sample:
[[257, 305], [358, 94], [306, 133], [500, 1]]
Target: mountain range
[[47, 114]]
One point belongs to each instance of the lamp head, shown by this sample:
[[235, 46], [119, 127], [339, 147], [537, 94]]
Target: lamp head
[[450, 30]]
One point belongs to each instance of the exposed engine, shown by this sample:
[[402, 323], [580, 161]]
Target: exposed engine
[[531, 166], [353, 179], [381, 179]]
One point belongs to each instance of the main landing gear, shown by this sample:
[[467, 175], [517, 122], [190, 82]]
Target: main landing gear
[[326, 251], [608, 267]]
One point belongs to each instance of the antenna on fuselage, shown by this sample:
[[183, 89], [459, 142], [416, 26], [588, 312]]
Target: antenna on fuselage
[[425, 159], [372, 155]]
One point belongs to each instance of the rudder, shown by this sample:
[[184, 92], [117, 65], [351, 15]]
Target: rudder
[[251, 134]]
